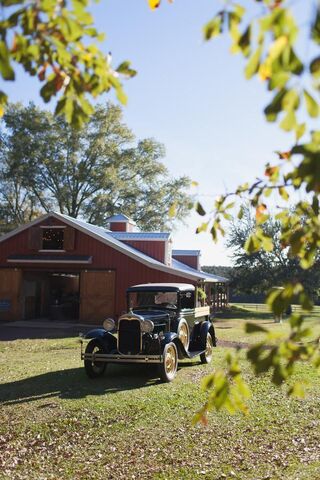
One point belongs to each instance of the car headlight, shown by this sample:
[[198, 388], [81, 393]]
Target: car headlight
[[147, 326], [109, 324]]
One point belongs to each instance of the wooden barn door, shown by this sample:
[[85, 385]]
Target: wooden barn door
[[10, 289], [97, 291]]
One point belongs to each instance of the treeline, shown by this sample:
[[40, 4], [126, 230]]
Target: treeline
[[91, 172], [252, 276], [252, 285]]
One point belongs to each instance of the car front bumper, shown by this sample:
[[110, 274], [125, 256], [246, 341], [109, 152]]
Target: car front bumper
[[118, 358]]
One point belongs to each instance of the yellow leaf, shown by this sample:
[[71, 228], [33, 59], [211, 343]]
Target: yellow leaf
[[277, 47], [172, 210], [153, 4], [264, 71], [260, 211]]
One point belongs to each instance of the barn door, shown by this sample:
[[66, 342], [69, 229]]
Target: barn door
[[97, 290], [10, 288]]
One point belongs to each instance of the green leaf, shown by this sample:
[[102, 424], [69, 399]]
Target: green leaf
[[5, 67], [315, 67], [289, 122], [239, 10], [202, 228], [252, 244], [214, 234], [213, 28], [291, 100], [278, 80], [125, 69], [277, 47], [295, 320], [267, 243], [172, 210], [275, 107], [297, 390], [300, 131], [199, 209], [253, 63], [311, 104], [244, 40], [3, 102], [284, 194], [315, 30]]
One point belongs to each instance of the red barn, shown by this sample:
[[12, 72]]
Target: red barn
[[62, 268]]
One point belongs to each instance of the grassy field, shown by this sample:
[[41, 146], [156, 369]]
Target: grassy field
[[58, 424]]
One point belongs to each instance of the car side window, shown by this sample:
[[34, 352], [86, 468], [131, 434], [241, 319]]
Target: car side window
[[187, 299]]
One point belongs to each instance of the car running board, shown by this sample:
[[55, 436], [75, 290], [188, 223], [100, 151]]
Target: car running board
[[194, 354]]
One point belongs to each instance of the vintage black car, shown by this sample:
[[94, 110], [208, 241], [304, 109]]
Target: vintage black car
[[162, 326]]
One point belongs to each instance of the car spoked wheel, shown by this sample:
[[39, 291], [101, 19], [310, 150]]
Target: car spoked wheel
[[183, 333], [94, 368], [206, 356], [169, 365]]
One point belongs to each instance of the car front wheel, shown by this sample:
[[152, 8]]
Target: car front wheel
[[94, 368], [206, 356], [169, 365], [183, 333]]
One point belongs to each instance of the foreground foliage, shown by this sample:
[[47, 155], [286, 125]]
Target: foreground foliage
[[57, 42], [267, 34], [57, 423]]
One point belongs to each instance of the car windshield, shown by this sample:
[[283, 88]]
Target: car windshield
[[153, 299]]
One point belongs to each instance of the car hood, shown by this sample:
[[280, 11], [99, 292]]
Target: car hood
[[155, 315]]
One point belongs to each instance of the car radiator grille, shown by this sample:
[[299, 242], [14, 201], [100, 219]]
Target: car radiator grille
[[129, 337]]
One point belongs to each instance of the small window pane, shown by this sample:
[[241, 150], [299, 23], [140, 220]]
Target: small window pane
[[52, 239]]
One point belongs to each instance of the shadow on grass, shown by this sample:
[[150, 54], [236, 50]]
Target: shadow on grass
[[73, 383], [8, 333]]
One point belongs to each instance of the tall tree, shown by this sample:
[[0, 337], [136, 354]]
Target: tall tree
[[93, 171], [261, 270]]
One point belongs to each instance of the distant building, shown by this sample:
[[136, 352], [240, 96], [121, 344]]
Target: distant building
[[63, 268]]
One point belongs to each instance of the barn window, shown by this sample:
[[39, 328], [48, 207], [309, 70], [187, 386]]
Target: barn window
[[52, 239]]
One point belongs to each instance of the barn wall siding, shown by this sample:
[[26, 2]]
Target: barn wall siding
[[127, 270], [187, 260], [153, 249]]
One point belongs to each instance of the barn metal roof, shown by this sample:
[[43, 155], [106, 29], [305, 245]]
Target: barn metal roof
[[171, 287], [138, 236], [120, 218], [207, 277], [187, 253]]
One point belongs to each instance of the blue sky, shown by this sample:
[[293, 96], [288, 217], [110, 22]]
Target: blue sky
[[190, 95]]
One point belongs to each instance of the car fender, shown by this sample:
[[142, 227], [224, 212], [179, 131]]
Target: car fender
[[205, 328], [95, 333], [107, 340], [173, 337]]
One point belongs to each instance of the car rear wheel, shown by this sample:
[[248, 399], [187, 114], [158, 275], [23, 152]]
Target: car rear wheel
[[94, 368], [206, 356], [169, 365]]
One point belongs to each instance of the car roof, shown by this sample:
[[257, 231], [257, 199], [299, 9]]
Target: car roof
[[163, 287]]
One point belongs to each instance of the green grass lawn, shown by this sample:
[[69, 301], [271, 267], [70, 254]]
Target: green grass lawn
[[58, 424], [230, 326]]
